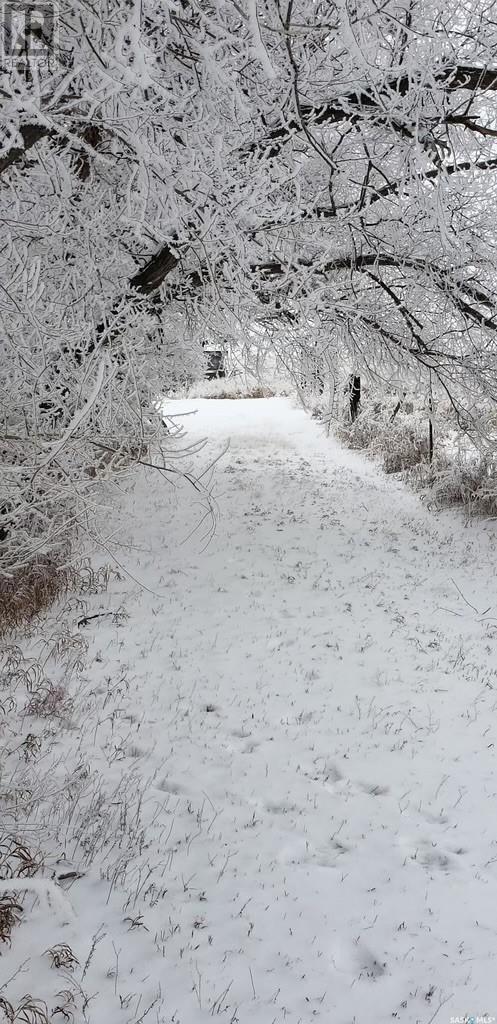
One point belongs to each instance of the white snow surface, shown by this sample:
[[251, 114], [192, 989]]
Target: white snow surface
[[296, 725]]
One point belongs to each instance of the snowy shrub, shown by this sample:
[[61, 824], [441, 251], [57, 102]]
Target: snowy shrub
[[399, 443], [472, 483], [405, 446], [234, 387], [464, 466]]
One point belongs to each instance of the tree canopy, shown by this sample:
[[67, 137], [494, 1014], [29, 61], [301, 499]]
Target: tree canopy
[[307, 170]]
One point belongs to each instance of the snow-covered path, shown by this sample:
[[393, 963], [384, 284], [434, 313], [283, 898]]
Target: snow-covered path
[[310, 702]]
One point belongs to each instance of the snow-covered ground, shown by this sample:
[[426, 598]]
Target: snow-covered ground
[[284, 752]]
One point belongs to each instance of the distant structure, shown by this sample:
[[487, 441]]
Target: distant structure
[[216, 367]]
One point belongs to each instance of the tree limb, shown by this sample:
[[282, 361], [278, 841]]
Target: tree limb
[[355, 105], [31, 134]]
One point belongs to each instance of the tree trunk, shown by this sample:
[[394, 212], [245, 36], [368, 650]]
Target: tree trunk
[[430, 426], [354, 396], [398, 406]]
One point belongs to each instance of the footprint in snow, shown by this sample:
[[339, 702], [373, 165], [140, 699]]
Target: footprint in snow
[[249, 747], [355, 958], [136, 752], [322, 771], [170, 786], [436, 819], [301, 851], [374, 789], [280, 806], [428, 854], [430, 857]]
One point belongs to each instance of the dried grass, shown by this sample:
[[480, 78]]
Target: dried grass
[[16, 860], [28, 1011], [29, 591], [10, 914], [88, 580], [37, 684], [65, 1007], [49, 701], [400, 445], [233, 388], [62, 955], [257, 392], [467, 479], [472, 485]]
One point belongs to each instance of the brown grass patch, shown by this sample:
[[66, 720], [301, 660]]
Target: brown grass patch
[[28, 1011], [16, 861], [10, 915], [31, 590]]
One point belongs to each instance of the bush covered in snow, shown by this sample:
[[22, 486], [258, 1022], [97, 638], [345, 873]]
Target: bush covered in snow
[[393, 428], [239, 386], [452, 481], [399, 441]]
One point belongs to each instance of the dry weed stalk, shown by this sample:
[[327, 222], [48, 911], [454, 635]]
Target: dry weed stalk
[[30, 590], [28, 1011], [10, 915], [66, 1006], [88, 580], [16, 861], [62, 955], [49, 701], [255, 392]]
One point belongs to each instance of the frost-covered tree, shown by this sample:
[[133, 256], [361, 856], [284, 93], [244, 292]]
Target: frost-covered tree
[[321, 174], [383, 149], [368, 143]]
